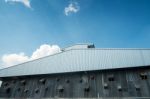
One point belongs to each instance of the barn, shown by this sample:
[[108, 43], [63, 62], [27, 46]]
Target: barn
[[80, 71]]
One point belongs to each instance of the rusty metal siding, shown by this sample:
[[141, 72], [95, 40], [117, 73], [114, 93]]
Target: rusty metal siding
[[81, 60]]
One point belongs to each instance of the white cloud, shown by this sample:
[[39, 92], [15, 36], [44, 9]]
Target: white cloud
[[73, 7], [12, 59], [25, 2], [44, 50]]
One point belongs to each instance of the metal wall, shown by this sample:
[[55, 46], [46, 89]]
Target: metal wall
[[81, 60], [108, 83]]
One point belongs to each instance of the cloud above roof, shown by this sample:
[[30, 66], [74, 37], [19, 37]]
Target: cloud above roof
[[45, 50], [24, 2], [73, 7], [42, 51], [13, 59]]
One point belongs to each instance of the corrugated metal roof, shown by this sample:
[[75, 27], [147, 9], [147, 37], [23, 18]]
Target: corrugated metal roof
[[84, 59]]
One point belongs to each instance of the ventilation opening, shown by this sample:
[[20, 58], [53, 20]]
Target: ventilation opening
[[111, 78], [26, 90], [92, 77], [87, 88], [67, 81], [143, 76], [43, 81], [105, 86], [23, 82], [119, 88], [8, 90], [46, 89], [37, 90], [137, 87], [60, 88]]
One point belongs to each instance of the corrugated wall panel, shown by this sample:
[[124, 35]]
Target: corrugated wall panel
[[81, 60]]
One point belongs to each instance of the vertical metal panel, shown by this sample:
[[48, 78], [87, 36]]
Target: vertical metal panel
[[128, 79]]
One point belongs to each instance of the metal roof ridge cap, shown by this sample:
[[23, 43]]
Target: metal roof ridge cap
[[78, 44], [122, 48], [108, 49]]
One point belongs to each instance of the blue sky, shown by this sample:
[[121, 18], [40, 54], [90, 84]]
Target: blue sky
[[106, 23]]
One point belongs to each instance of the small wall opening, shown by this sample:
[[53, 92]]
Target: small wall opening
[[111, 77], [143, 76]]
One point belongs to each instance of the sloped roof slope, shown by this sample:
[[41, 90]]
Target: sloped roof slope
[[81, 59]]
